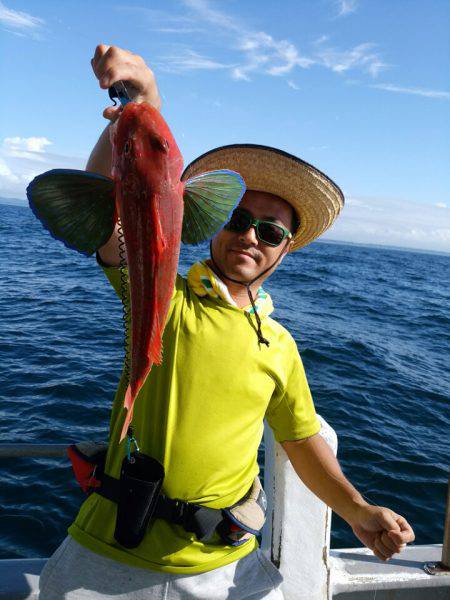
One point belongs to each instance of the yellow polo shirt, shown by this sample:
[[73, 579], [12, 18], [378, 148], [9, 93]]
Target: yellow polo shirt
[[200, 413]]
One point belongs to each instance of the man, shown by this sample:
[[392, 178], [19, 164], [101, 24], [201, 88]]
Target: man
[[227, 365]]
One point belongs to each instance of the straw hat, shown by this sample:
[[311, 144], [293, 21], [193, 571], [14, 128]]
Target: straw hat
[[316, 199]]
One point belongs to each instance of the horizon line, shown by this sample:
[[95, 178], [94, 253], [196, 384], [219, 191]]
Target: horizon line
[[23, 203]]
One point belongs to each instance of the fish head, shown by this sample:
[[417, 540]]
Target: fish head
[[144, 149]]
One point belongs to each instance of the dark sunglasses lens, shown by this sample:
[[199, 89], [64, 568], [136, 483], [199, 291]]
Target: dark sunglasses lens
[[240, 221], [270, 233]]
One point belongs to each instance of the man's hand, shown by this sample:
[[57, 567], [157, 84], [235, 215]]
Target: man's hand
[[382, 530], [111, 64]]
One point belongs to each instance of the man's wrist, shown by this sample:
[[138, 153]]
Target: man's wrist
[[355, 508]]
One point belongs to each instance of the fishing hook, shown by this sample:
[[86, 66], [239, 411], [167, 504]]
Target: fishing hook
[[118, 90]]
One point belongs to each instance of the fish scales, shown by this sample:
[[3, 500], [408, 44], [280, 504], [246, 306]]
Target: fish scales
[[146, 168]]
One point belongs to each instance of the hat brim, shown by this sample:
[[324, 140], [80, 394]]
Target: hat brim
[[316, 199]]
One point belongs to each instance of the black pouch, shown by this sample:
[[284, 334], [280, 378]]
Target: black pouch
[[141, 479]]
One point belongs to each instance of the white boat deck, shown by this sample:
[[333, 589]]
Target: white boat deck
[[358, 575]]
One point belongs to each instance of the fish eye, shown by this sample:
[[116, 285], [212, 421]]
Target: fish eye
[[159, 143], [127, 147]]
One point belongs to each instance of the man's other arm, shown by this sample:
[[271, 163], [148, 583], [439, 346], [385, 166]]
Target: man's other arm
[[111, 64], [378, 528]]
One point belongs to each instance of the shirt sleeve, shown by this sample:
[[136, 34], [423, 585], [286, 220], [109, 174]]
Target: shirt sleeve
[[113, 274], [291, 413]]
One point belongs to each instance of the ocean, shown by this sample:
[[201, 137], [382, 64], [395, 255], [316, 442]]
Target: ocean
[[372, 325]]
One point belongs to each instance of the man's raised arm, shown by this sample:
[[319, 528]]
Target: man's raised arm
[[111, 64]]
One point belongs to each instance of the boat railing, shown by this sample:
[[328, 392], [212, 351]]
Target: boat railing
[[33, 450], [296, 538]]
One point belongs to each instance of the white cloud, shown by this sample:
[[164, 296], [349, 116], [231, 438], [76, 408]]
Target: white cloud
[[18, 20], [261, 53], [321, 39], [32, 147], [189, 60], [346, 7], [178, 30], [239, 73], [6, 174], [33, 144], [215, 17], [394, 223], [162, 21], [262, 48], [292, 84], [21, 159], [441, 205], [362, 56], [427, 93], [318, 148]]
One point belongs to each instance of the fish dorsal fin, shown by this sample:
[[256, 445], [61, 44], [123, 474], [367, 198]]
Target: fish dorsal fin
[[76, 207], [209, 200]]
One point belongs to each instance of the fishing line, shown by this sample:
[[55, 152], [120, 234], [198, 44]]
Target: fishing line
[[125, 301], [124, 287]]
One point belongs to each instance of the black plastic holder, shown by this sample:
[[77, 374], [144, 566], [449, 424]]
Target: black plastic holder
[[141, 479]]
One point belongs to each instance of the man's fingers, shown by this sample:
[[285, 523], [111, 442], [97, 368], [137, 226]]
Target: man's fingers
[[99, 53], [111, 64], [379, 555], [388, 520], [112, 113], [107, 57], [394, 546], [110, 70], [114, 74], [406, 533], [382, 549], [388, 542]]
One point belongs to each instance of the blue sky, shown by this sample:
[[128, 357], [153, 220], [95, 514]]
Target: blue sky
[[358, 88]]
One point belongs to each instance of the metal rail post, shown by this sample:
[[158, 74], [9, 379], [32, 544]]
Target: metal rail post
[[445, 560], [443, 567]]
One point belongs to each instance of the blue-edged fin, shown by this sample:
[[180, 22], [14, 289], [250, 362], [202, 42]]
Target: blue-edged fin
[[209, 200], [76, 207]]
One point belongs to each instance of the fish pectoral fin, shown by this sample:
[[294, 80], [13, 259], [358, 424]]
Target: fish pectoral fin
[[128, 401], [155, 346], [76, 207], [161, 242], [209, 200]]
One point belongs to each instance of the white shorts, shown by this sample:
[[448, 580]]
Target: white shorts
[[75, 573]]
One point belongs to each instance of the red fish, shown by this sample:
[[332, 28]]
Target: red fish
[[157, 211], [147, 167]]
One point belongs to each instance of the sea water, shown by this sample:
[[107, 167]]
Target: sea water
[[372, 326]]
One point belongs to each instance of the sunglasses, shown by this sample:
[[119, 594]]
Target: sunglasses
[[267, 232]]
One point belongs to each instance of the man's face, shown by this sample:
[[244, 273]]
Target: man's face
[[242, 256]]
